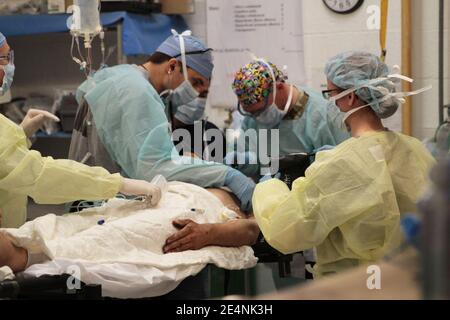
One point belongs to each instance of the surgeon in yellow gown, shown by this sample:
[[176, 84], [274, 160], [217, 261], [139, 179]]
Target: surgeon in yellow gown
[[349, 204], [24, 172]]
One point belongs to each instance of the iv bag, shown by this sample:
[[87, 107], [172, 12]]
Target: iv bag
[[86, 18]]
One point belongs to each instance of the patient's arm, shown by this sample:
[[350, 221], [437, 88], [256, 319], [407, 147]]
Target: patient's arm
[[233, 233], [14, 257]]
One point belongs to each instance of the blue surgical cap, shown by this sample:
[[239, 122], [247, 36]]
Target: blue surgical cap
[[2, 39], [354, 68], [200, 62]]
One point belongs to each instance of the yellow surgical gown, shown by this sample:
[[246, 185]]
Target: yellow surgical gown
[[26, 173], [349, 203]]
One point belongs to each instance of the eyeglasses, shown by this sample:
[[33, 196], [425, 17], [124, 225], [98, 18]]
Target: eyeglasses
[[7, 58], [253, 114], [327, 93]]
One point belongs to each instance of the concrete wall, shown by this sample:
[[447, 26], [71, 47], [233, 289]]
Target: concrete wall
[[45, 62], [425, 64], [327, 33]]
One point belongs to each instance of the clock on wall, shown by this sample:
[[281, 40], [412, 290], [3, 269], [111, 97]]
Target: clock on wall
[[343, 6]]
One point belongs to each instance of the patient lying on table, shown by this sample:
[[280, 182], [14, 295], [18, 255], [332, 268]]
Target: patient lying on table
[[143, 251]]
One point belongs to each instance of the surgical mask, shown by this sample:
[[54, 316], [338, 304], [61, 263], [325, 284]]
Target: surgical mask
[[185, 92], [8, 78], [272, 115], [398, 97], [191, 112]]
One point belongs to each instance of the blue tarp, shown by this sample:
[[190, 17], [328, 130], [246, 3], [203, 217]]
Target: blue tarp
[[141, 33]]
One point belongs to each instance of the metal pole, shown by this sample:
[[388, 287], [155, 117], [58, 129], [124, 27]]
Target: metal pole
[[441, 62], [121, 58]]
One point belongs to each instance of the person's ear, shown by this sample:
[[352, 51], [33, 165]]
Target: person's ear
[[351, 98], [172, 65]]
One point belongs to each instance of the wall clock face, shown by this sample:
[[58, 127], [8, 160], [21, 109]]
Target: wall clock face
[[343, 6]]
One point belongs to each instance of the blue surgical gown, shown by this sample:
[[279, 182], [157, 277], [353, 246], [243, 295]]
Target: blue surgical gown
[[132, 125], [319, 125]]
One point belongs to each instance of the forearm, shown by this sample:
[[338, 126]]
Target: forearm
[[234, 233], [12, 256], [189, 170], [57, 181], [287, 220]]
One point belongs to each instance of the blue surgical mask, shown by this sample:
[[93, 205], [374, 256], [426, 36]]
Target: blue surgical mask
[[191, 112], [272, 116], [183, 94], [8, 78]]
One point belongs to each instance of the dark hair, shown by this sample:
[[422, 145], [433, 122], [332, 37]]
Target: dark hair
[[159, 58]]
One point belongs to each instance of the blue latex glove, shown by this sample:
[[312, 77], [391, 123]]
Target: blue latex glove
[[242, 187], [268, 177], [411, 228], [324, 148]]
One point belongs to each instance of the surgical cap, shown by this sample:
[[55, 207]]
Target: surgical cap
[[200, 62], [2, 39], [354, 68], [253, 82]]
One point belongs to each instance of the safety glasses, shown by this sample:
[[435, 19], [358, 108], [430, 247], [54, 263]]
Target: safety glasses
[[327, 93], [7, 58]]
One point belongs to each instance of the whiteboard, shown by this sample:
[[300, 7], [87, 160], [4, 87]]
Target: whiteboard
[[269, 29]]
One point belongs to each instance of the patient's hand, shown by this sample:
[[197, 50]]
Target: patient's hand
[[233, 233], [12, 256], [191, 236]]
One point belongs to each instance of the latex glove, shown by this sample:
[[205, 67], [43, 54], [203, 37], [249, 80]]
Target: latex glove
[[411, 229], [324, 148], [268, 177], [242, 187], [34, 120], [132, 187]]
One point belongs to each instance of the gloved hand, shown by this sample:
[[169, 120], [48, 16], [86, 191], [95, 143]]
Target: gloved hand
[[324, 148], [242, 187], [34, 120], [268, 177], [132, 187]]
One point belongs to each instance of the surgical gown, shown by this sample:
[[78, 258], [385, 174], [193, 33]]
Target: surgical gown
[[317, 126], [132, 125], [25, 173], [349, 204]]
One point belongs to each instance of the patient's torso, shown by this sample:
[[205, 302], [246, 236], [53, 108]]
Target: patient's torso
[[121, 231]]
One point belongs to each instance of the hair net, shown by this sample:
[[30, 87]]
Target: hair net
[[2, 39], [200, 62], [355, 68], [253, 82]]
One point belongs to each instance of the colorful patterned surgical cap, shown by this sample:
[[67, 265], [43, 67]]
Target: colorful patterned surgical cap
[[253, 82]]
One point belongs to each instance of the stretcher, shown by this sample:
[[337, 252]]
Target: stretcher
[[55, 287]]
